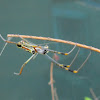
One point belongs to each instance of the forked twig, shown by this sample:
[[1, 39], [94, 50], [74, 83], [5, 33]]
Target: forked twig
[[56, 40]]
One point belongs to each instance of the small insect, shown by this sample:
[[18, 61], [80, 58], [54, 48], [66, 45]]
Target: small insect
[[43, 50]]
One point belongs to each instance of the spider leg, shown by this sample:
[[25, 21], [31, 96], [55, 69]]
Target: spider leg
[[23, 39], [3, 48], [66, 67], [7, 41], [84, 62], [33, 56], [74, 58], [62, 52], [28, 42], [60, 65]]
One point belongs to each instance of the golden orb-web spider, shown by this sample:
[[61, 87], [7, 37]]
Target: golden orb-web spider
[[44, 50]]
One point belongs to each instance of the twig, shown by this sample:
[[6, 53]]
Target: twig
[[56, 40], [53, 89], [93, 94], [51, 80], [55, 93]]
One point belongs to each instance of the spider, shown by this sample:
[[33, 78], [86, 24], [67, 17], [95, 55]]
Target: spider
[[35, 49]]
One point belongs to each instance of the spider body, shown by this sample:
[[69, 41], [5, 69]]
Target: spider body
[[32, 48]]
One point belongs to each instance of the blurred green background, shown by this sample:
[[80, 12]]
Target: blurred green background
[[74, 20]]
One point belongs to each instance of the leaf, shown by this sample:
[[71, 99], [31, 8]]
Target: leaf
[[87, 98]]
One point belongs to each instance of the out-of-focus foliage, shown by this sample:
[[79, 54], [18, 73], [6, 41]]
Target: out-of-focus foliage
[[87, 98]]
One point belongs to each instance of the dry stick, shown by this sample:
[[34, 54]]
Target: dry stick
[[55, 93], [51, 80], [93, 94], [56, 40], [53, 90]]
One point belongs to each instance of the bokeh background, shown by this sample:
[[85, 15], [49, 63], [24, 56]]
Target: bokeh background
[[74, 20]]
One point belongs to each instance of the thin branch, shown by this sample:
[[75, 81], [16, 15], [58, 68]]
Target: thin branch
[[56, 40], [93, 94], [51, 81], [53, 89], [55, 93]]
